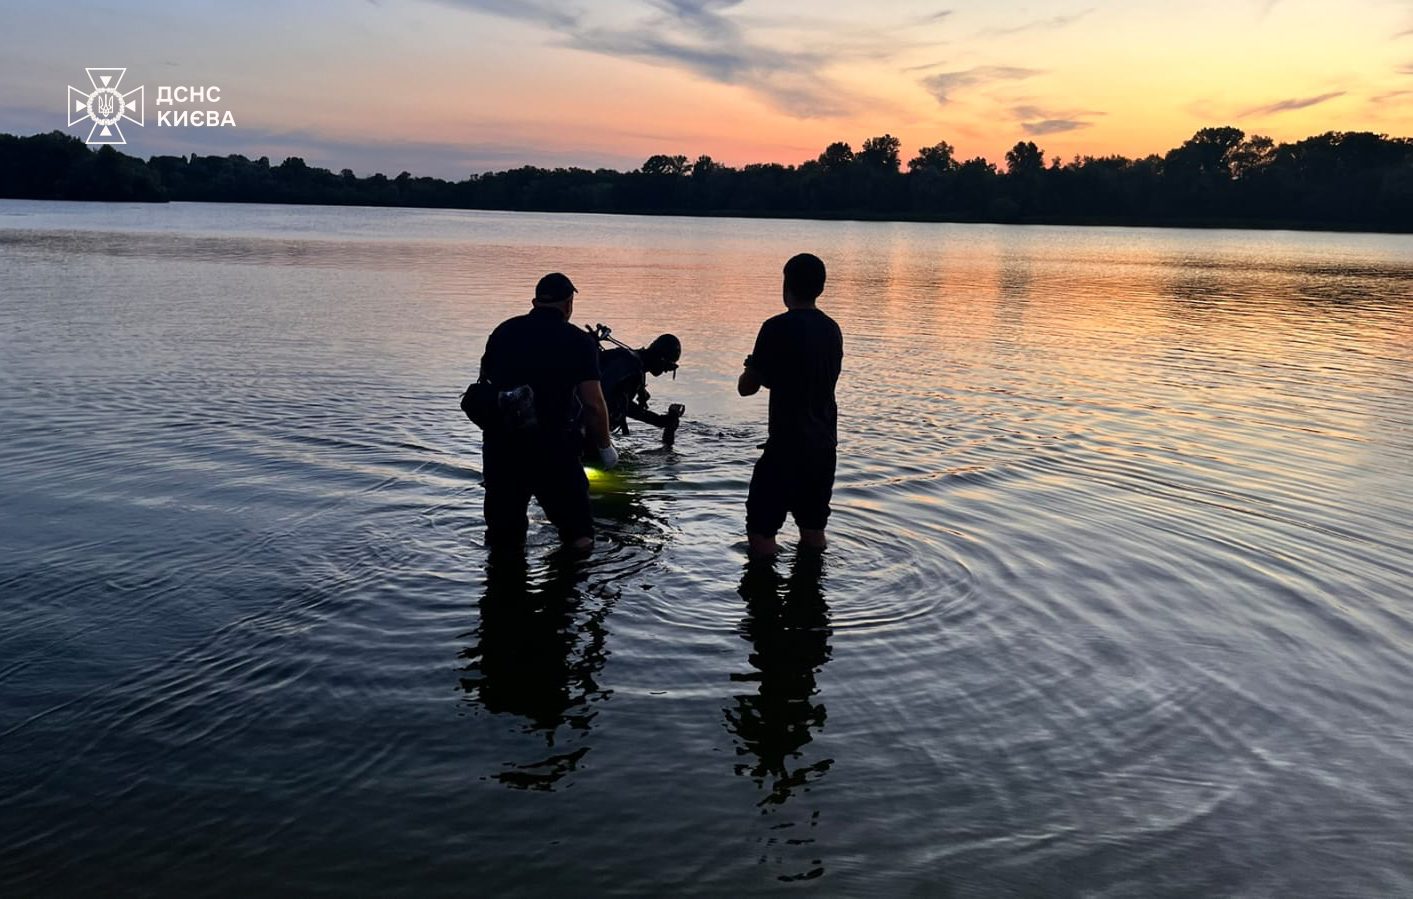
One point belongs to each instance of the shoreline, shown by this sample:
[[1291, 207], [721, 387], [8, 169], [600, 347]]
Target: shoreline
[[1200, 224]]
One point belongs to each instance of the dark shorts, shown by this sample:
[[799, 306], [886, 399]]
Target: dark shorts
[[516, 470], [794, 482]]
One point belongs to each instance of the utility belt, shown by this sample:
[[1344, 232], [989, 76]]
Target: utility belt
[[510, 412], [491, 408]]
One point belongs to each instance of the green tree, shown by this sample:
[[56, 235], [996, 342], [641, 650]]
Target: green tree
[[1024, 159], [705, 165], [1251, 156], [1208, 153], [665, 165], [837, 155], [881, 153], [940, 157]]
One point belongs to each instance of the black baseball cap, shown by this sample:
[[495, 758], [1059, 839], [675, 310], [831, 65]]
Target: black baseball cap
[[555, 288]]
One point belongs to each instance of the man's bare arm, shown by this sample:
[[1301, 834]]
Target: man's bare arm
[[749, 383], [596, 409], [644, 414]]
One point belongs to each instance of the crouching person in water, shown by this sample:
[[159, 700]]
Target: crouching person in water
[[625, 385], [797, 357], [537, 452]]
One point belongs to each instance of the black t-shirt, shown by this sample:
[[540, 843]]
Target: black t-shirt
[[543, 350], [798, 355]]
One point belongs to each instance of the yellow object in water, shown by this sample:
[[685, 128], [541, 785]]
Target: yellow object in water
[[600, 478]]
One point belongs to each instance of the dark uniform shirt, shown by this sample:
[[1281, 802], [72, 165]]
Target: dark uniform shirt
[[798, 355], [623, 377], [543, 350]]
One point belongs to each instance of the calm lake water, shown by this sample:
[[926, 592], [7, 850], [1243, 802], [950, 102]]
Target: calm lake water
[[1119, 600]]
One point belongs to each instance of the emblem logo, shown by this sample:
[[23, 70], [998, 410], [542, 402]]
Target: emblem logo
[[105, 106]]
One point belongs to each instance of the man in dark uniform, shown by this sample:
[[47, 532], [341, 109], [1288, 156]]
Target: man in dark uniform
[[560, 364], [797, 357], [625, 385]]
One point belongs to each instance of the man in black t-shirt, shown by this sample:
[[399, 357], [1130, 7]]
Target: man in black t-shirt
[[560, 364], [797, 357]]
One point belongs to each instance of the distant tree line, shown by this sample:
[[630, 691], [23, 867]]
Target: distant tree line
[[1218, 177]]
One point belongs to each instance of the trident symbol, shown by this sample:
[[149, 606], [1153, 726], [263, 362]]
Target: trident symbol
[[105, 105]]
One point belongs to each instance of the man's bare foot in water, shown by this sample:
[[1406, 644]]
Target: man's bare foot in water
[[762, 547], [813, 540]]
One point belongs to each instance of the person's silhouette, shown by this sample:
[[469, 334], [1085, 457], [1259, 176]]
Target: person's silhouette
[[536, 653], [625, 387], [787, 624], [538, 391], [798, 355]]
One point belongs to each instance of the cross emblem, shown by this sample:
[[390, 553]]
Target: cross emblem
[[105, 105]]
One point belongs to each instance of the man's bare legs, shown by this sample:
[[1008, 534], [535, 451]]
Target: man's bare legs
[[767, 547], [762, 547]]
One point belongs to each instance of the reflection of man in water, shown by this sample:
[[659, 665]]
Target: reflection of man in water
[[537, 653], [560, 364], [797, 357], [625, 385], [787, 623]]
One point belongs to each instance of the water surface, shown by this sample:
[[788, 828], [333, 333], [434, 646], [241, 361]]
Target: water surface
[[1117, 603]]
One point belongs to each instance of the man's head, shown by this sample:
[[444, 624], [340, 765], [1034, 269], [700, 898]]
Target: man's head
[[556, 291], [804, 279], [661, 355]]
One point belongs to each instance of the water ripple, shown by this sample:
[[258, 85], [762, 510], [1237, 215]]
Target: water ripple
[[1116, 593]]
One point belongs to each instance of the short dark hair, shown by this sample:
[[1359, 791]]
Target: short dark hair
[[804, 276]]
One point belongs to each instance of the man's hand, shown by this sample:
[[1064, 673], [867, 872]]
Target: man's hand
[[749, 383], [674, 418], [608, 457]]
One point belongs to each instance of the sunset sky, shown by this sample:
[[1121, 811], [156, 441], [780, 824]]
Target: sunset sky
[[451, 87]]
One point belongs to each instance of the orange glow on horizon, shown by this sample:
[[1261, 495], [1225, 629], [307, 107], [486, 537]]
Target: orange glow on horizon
[[491, 86]]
